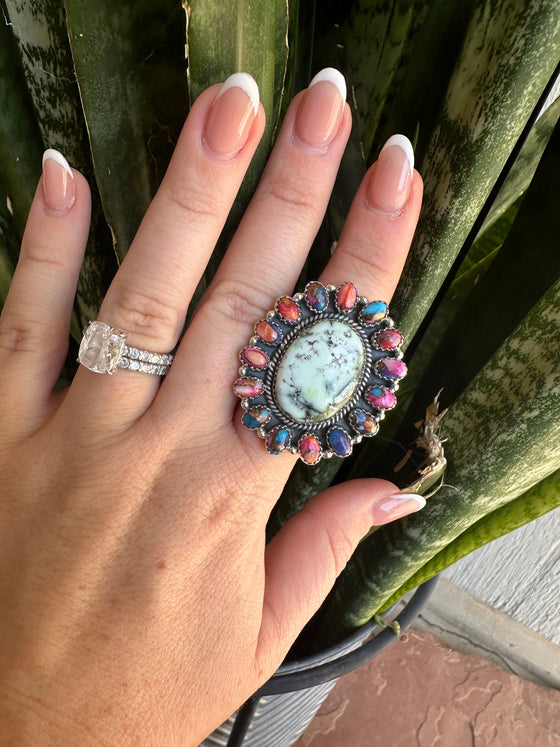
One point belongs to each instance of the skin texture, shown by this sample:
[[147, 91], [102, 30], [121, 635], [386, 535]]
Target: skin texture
[[139, 602]]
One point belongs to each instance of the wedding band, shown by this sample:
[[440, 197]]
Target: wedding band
[[320, 372], [103, 349]]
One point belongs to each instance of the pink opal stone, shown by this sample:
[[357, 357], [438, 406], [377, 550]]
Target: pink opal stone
[[391, 368], [288, 309], [248, 386], [346, 297], [380, 397], [310, 448], [388, 339], [254, 357], [268, 332]]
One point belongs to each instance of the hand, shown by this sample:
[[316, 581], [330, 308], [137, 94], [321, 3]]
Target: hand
[[139, 602]]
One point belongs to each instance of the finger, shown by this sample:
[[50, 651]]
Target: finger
[[35, 322], [374, 243], [319, 541], [150, 294], [272, 242]]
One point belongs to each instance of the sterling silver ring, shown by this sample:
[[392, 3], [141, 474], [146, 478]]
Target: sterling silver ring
[[103, 349], [320, 372]]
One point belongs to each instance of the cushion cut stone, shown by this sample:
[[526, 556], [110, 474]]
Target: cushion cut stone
[[100, 348], [319, 371]]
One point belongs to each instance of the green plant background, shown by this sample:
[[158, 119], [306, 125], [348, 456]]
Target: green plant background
[[109, 84]]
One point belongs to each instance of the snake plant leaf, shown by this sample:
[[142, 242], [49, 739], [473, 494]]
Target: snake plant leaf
[[40, 30], [131, 73], [535, 502], [522, 272], [502, 436], [227, 37], [6, 271], [509, 54], [21, 147], [420, 83], [525, 165], [224, 37], [375, 35]]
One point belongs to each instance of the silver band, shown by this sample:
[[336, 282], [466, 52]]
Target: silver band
[[144, 361], [103, 349]]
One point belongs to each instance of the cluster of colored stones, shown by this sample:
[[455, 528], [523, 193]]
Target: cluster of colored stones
[[320, 372]]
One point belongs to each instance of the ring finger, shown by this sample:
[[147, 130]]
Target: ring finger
[[150, 294]]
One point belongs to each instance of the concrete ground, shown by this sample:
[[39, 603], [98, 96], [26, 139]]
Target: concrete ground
[[422, 693]]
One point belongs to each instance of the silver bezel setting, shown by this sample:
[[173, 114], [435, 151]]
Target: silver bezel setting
[[289, 332]]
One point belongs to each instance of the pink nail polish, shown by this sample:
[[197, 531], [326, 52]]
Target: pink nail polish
[[321, 108], [390, 181], [395, 507], [232, 115], [59, 186]]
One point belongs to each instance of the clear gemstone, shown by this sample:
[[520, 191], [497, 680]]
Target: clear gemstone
[[100, 348], [134, 366]]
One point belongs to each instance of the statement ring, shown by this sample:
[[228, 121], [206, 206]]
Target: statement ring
[[103, 349], [320, 372]]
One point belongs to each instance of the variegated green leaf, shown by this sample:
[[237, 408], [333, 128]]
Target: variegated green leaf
[[375, 35], [40, 29], [509, 54], [502, 436], [537, 501], [131, 73], [20, 142]]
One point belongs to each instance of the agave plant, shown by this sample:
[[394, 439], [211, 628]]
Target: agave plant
[[110, 84]]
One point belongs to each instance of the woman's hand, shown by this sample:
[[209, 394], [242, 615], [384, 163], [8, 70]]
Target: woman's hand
[[139, 602]]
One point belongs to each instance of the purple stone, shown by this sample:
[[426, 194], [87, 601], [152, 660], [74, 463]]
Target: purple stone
[[316, 296], [339, 442]]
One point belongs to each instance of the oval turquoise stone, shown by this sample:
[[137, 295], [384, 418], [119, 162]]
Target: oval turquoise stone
[[339, 442], [319, 371]]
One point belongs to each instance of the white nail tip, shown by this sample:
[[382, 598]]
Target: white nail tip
[[397, 500], [55, 155], [333, 76], [404, 143], [246, 83]]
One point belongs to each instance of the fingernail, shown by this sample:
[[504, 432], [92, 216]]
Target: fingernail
[[391, 178], [59, 187], [232, 115], [395, 507], [320, 110]]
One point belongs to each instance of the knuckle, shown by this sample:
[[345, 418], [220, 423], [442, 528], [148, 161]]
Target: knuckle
[[194, 201], [341, 546], [47, 259], [297, 196], [19, 336], [368, 260], [146, 316], [239, 302]]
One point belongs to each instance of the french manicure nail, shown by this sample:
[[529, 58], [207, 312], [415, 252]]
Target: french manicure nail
[[395, 507], [321, 108], [391, 178], [59, 187], [232, 115]]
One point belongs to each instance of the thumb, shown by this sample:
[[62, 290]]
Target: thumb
[[304, 559]]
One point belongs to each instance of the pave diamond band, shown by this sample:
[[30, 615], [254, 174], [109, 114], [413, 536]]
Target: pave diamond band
[[103, 349]]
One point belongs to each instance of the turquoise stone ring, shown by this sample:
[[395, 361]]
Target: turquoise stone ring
[[320, 372]]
